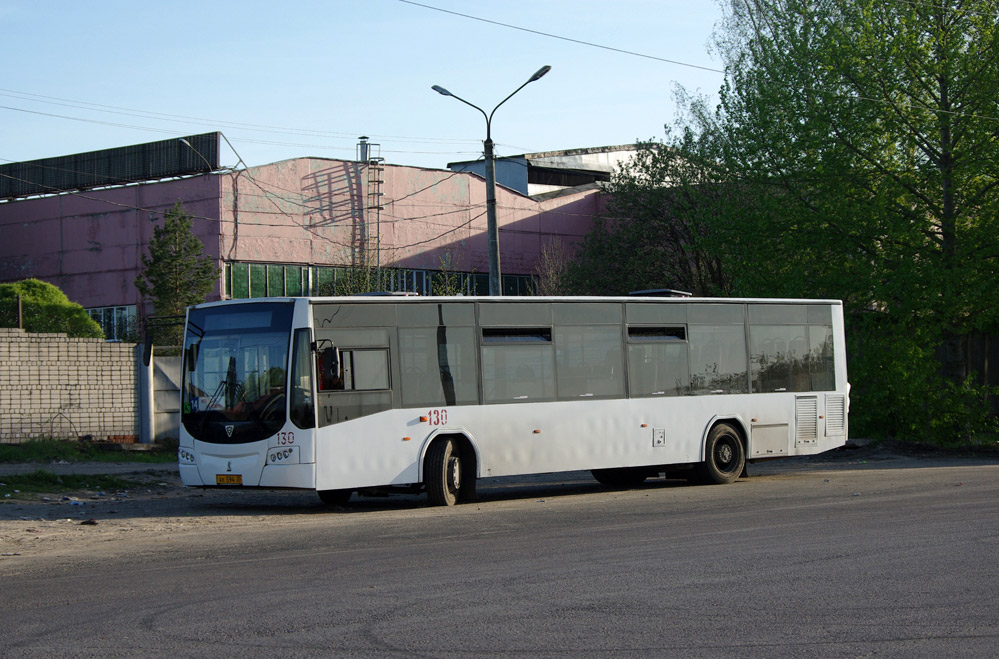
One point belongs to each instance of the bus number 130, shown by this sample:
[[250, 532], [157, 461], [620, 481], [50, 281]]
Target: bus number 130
[[437, 417]]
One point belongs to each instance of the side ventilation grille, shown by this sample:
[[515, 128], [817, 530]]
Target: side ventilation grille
[[807, 421], [836, 414]]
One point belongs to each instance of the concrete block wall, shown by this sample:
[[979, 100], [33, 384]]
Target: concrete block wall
[[55, 386]]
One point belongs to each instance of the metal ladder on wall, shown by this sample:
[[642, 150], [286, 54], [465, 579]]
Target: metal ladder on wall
[[370, 226]]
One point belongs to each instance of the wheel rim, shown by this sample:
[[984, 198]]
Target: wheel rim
[[725, 454], [454, 473]]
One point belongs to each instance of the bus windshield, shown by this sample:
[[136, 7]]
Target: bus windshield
[[235, 366]]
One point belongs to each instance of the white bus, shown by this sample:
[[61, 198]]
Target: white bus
[[363, 394]]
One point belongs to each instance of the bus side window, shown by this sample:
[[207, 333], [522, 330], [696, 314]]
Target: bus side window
[[365, 370]]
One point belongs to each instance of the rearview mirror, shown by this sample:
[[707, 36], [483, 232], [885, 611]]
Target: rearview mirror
[[330, 371]]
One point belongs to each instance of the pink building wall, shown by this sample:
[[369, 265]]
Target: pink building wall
[[89, 244], [299, 211], [304, 211]]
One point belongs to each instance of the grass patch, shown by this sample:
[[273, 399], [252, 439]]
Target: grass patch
[[47, 450], [45, 482]]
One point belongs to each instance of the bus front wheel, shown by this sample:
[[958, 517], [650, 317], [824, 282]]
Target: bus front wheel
[[724, 456], [442, 472]]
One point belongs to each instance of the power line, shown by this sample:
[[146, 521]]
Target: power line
[[292, 218], [244, 140], [308, 132], [298, 198], [105, 201], [89, 121], [569, 39], [714, 70], [439, 236]]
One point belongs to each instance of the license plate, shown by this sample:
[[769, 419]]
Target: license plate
[[228, 479]]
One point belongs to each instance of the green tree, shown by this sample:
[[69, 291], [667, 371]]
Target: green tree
[[362, 279], [871, 126], [176, 273], [552, 271], [45, 308], [653, 232], [854, 149], [448, 280]]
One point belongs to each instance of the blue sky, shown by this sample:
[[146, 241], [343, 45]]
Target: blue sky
[[283, 80]]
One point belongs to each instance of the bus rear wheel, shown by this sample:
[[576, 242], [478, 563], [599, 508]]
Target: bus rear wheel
[[724, 456], [622, 477], [442, 472]]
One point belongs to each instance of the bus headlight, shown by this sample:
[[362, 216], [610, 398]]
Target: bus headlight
[[185, 457], [282, 455]]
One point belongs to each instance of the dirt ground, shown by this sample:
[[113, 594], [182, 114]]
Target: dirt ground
[[72, 526], [37, 529]]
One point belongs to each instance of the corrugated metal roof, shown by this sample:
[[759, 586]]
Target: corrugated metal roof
[[192, 154]]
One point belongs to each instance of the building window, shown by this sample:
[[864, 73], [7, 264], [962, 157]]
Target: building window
[[478, 284], [516, 285], [249, 280], [118, 323], [244, 280]]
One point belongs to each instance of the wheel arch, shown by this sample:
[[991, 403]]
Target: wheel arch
[[466, 444], [734, 420]]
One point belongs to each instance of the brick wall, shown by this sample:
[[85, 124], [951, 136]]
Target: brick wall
[[54, 386]]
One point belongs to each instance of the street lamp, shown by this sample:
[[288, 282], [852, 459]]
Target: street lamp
[[491, 228], [200, 155]]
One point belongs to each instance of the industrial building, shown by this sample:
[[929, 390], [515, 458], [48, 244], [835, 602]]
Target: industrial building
[[551, 172], [294, 227]]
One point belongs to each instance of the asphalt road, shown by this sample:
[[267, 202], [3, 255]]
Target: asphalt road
[[891, 557]]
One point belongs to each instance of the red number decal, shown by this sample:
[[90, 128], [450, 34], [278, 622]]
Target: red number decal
[[437, 417], [285, 438]]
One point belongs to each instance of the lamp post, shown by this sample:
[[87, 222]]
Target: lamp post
[[495, 287], [200, 155]]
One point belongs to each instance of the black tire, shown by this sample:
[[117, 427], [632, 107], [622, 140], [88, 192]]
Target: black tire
[[442, 472], [622, 477], [724, 456], [335, 497]]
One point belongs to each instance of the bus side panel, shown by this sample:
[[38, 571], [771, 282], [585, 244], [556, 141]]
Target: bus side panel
[[528, 438], [369, 451], [511, 439], [549, 437]]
